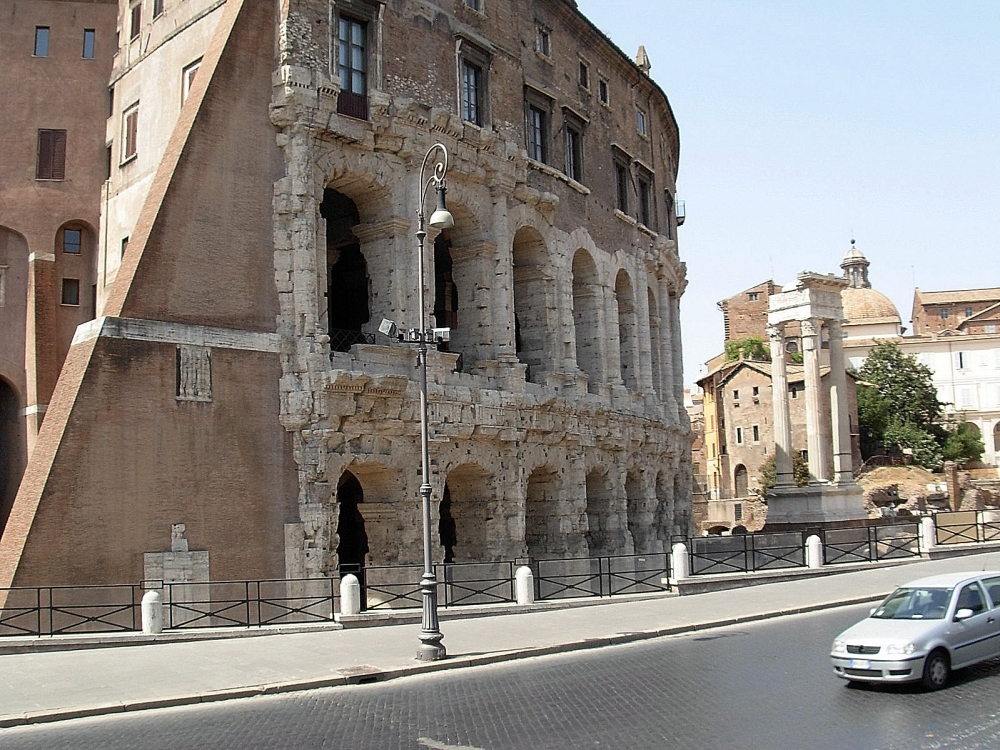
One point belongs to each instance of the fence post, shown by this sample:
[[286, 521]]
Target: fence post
[[679, 561], [928, 534], [814, 552], [152, 613], [525, 585], [350, 595]]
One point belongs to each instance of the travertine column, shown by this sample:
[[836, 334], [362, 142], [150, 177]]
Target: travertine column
[[667, 349], [779, 402], [840, 420], [814, 424], [678, 354], [644, 342]]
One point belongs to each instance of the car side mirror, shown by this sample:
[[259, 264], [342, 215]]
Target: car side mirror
[[963, 614], [872, 610]]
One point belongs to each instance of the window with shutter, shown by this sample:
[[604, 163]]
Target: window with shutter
[[130, 133], [51, 163]]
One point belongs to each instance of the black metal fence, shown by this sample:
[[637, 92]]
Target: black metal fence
[[746, 553], [870, 543], [63, 610], [600, 576], [248, 603], [966, 526]]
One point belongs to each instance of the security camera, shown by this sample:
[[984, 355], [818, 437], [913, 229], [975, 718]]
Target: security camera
[[441, 335], [387, 328]]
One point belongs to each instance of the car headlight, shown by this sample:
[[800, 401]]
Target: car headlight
[[900, 648], [839, 646]]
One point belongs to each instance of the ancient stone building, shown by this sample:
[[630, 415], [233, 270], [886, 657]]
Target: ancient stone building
[[260, 222], [55, 60]]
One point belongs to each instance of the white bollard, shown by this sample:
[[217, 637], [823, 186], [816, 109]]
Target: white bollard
[[928, 533], [679, 561], [814, 552], [350, 595], [152, 613], [524, 585]]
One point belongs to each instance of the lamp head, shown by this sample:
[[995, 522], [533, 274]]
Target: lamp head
[[441, 218]]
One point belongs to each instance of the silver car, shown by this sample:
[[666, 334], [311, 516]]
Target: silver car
[[923, 630]]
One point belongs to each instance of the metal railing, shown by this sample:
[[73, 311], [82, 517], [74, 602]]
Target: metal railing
[[746, 553], [63, 610], [611, 575], [966, 527], [870, 543]]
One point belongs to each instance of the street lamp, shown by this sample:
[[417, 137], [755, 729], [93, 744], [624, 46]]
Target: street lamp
[[431, 647]]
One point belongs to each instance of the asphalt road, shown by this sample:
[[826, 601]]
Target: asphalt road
[[768, 685]]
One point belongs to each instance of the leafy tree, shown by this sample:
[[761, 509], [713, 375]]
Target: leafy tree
[[751, 348], [769, 472], [898, 406], [963, 443]]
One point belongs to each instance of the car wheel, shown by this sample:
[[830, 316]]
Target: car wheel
[[937, 669]]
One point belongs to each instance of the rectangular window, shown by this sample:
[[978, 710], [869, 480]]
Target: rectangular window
[[474, 4], [130, 133], [960, 360], [968, 312], [187, 78], [738, 511], [584, 75], [3, 287], [536, 133], [543, 42], [621, 182], [472, 88], [966, 397], [157, 8], [739, 435], [573, 136], [353, 68], [71, 291], [124, 245], [991, 328], [944, 313], [753, 296], [645, 189], [602, 91], [72, 241], [736, 395], [51, 161], [135, 24], [756, 390], [41, 41], [89, 38], [640, 121], [756, 433]]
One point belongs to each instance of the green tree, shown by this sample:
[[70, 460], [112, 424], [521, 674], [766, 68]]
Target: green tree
[[898, 407], [769, 472], [752, 347], [963, 443]]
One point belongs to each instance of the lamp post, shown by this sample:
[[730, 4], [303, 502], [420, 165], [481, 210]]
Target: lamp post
[[431, 647]]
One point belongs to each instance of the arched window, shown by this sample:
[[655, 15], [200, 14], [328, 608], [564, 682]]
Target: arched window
[[12, 448], [655, 339], [740, 481], [353, 546], [466, 510], [531, 288], [541, 520], [599, 523], [347, 272], [586, 318], [626, 329]]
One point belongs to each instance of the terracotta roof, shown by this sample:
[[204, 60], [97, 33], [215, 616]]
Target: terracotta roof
[[868, 306], [991, 294]]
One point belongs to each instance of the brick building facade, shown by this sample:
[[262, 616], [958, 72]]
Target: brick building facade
[[259, 229]]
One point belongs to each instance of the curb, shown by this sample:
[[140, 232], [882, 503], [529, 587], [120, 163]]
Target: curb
[[361, 678]]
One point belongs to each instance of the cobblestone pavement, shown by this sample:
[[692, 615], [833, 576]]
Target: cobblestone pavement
[[763, 685]]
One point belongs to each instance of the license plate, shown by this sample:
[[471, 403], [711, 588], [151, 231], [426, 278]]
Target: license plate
[[860, 664]]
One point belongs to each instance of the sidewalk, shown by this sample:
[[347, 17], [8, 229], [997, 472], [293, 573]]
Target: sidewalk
[[50, 685]]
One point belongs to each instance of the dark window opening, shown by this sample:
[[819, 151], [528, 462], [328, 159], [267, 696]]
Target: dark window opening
[[645, 216], [537, 128], [621, 184], [353, 67], [347, 272], [72, 241], [472, 93], [89, 37], [602, 91], [41, 41], [157, 8], [70, 291], [447, 528], [135, 25], [445, 291], [353, 546], [584, 75], [574, 153]]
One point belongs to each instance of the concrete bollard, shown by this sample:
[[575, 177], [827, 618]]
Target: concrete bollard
[[152, 613], [679, 561], [928, 534], [524, 585], [814, 552], [350, 595]]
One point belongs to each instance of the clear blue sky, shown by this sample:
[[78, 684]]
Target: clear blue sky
[[805, 123]]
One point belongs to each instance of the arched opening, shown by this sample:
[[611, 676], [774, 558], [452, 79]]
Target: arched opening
[[466, 511], [664, 511], [348, 284], [682, 509], [638, 526], [445, 289], [530, 295], [586, 318], [599, 518], [740, 481], [626, 329], [717, 530], [654, 342], [541, 520], [76, 267], [12, 449], [353, 546]]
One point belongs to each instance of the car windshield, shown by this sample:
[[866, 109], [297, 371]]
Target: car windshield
[[914, 604]]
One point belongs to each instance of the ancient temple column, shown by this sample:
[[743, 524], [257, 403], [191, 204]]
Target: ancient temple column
[[779, 402], [814, 425], [840, 421]]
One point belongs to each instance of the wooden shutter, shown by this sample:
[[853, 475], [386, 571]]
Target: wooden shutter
[[51, 164]]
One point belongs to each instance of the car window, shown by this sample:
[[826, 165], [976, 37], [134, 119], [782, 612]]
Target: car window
[[914, 604], [993, 588], [971, 597]]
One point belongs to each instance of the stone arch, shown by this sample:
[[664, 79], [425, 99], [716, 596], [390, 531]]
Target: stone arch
[[348, 285], [13, 447], [384, 515], [655, 339], [600, 518], [465, 514], [587, 300], [531, 292], [541, 520], [637, 540], [664, 518], [625, 300], [741, 480]]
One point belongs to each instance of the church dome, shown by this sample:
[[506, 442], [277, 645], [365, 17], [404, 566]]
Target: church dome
[[865, 305]]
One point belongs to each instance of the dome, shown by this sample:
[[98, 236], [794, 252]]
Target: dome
[[865, 305]]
